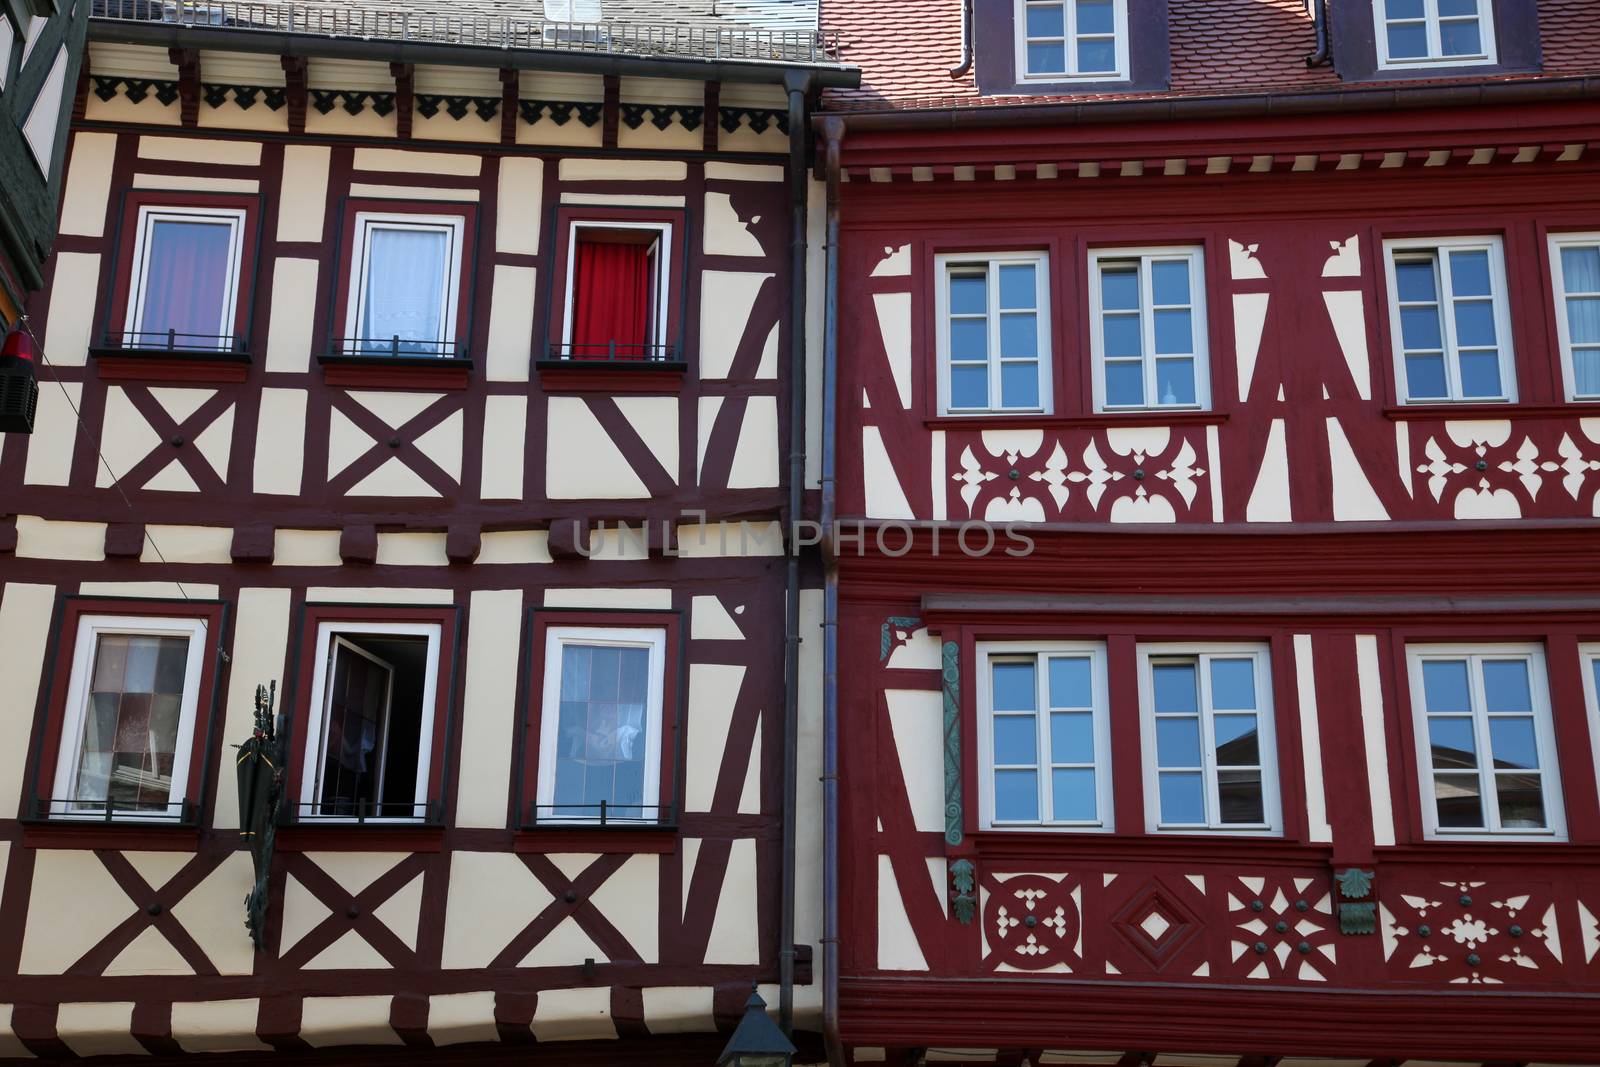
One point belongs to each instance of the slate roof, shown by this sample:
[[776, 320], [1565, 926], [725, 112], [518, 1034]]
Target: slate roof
[[906, 48]]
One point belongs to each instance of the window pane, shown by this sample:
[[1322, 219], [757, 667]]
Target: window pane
[[1425, 377], [1447, 8], [1239, 797], [1122, 336], [1169, 281], [1047, 20], [1047, 58], [1511, 742], [1017, 287], [1072, 737], [1480, 374], [1505, 685], [1016, 796], [405, 287], [1414, 281], [185, 283], [1019, 335], [1469, 273], [969, 386], [1124, 384], [1475, 324], [1583, 320], [1458, 800], [1452, 742], [1174, 687], [969, 339], [1072, 795], [1233, 684], [1460, 38], [1408, 40], [969, 294], [1419, 328], [1238, 744], [1182, 799], [1444, 685], [1095, 16], [1070, 685], [1019, 385], [1580, 268], [1586, 372], [1174, 333], [1403, 9], [1097, 56], [1014, 687], [1119, 287], [1521, 802], [603, 737], [1178, 742], [1016, 740], [1175, 381], [130, 728]]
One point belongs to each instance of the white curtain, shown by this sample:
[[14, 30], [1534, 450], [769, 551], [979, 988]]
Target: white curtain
[[405, 289], [1580, 272]]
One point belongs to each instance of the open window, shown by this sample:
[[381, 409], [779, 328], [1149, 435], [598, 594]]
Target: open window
[[370, 723], [405, 285], [127, 741], [616, 294]]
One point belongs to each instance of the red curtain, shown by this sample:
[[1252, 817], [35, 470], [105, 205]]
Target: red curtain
[[611, 300]]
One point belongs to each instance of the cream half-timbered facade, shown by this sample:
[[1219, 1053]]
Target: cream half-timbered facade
[[390, 479]]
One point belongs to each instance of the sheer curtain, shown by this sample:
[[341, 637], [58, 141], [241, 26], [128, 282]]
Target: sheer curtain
[[185, 285], [404, 297], [611, 298], [1580, 272]]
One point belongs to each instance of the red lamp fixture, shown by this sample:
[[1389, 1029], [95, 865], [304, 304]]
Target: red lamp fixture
[[19, 385]]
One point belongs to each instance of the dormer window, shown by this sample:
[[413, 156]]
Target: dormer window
[[1420, 33], [1072, 39]]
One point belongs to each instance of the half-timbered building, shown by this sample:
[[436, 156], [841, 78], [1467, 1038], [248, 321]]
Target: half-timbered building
[[441, 366], [1272, 738]]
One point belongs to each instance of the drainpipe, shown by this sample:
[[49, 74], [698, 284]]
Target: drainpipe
[[833, 133], [798, 83], [1319, 18], [961, 69]]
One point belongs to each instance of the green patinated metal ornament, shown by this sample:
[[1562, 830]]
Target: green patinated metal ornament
[[950, 677], [260, 770], [963, 902]]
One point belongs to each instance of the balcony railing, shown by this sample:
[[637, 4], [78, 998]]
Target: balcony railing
[[396, 347], [665, 39], [602, 814], [110, 809], [171, 342], [428, 812], [612, 352]]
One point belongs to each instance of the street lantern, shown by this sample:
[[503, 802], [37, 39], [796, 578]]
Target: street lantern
[[757, 1041]]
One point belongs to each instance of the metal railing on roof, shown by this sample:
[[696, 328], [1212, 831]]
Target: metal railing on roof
[[663, 39]]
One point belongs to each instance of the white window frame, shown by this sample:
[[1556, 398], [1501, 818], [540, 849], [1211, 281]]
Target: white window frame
[[1543, 730], [139, 275], [454, 226], [1199, 322], [87, 644], [1588, 656], [1119, 24], [1040, 652], [1569, 369], [1435, 56], [317, 715], [1440, 248], [1266, 738], [654, 639], [991, 262], [663, 252]]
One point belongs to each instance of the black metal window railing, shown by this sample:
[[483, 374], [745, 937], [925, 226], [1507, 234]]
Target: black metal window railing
[[396, 347], [175, 342], [602, 814], [427, 812], [612, 352], [109, 809]]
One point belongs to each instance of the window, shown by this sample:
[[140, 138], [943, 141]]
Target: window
[[994, 333], [128, 730], [370, 729], [600, 726], [1208, 738], [1044, 744], [1575, 267], [1149, 332], [405, 285], [1062, 39], [184, 286], [616, 286], [1484, 741], [1416, 33], [1448, 320]]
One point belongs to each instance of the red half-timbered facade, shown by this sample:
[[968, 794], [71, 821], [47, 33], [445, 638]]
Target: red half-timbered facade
[[1215, 602], [440, 368]]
